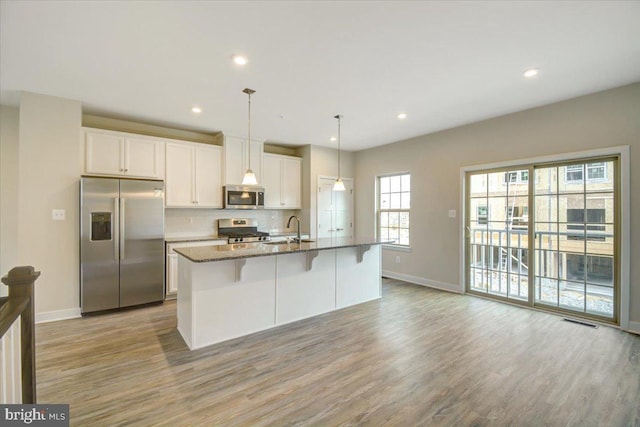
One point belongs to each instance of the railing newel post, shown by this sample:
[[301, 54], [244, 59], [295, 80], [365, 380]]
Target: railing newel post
[[20, 281]]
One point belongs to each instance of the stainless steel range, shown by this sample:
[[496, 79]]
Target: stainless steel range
[[243, 230]]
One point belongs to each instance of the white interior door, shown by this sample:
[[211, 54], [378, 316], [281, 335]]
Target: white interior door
[[334, 209]]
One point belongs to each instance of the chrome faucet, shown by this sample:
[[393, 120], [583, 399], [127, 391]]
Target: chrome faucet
[[298, 239]]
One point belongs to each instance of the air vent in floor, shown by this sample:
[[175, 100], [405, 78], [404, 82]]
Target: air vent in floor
[[581, 322]]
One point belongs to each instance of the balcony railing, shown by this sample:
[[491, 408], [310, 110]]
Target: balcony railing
[[17, 338]]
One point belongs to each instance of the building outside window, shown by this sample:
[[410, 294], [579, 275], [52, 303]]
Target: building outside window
[[576, 224], [482, 214], [595, 172], [394, 203], [516, 176]]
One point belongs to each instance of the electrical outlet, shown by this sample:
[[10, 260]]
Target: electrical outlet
[[452, 213], [58, 214], [397, 259]]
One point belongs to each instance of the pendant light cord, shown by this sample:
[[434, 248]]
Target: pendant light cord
[[249, 141], [249, 92], [338, 117]]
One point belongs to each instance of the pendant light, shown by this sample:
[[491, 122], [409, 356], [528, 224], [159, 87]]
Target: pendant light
[[338, 185], [249, 177]]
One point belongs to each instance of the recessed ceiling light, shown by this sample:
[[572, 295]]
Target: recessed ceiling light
[[240, 60], [332, 139], [197, 110], [531, 72], [402, 116]]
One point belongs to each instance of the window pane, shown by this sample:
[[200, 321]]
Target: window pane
[[406, 200], [497, 206], [384, 184], [384, 219], [547, 290], [546, 208], [478, 185], [546, 179], [394, 219], [596, 170], [394, 196], [600, 300], [572, 295], [394, 234], [404, 219], [395, 183], [497, 184], [574, 173], [385, 201], [395, 201], [600, 270], [406, 182]]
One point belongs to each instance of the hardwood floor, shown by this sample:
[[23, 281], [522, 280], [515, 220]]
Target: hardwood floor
[[416, 357]]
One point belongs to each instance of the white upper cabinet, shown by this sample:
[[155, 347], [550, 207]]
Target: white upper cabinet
[[208, 176], [282, 177], [236, 159], [122, 154], [194, 175]]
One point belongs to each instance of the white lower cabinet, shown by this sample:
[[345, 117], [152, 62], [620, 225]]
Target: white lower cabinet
[[171, 267]]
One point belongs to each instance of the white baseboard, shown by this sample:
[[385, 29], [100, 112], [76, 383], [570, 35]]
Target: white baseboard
[[634, 327], [52, 316], [449, 287]]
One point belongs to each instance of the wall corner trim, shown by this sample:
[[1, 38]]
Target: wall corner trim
[[53, 316]]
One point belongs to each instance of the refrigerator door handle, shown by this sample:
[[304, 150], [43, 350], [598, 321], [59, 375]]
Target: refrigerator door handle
[[122, 235], [116, 236]]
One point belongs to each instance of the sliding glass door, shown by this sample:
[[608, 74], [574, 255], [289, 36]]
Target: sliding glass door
[[546, 236], [498, 233], [575, 223]]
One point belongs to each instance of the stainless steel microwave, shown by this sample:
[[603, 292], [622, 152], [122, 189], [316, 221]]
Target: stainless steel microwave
[[243, 197]]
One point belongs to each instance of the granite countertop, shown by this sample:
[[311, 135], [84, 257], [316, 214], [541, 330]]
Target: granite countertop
[[250, 250]]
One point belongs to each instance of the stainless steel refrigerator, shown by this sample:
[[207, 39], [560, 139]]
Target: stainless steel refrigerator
[[121, 243]]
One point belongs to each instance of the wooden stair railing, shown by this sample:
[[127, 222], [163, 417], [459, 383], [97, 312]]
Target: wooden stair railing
[[20, 303]]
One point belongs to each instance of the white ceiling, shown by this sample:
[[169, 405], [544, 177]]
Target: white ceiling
[[443, 63]]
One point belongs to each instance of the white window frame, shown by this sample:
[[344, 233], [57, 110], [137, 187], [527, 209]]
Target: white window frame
[[380, 210]]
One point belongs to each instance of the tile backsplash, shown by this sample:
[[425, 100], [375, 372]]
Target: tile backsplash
[[203, 222]]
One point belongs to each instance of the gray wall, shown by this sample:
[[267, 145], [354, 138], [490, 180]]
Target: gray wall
[[49, 170], [604, 119]]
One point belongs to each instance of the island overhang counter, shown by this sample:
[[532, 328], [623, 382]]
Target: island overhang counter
[[228, 291]]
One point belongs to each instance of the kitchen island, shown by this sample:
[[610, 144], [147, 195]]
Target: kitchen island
[[228, 291]]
